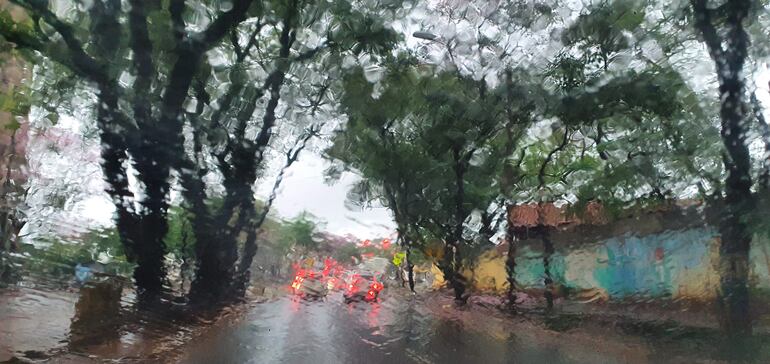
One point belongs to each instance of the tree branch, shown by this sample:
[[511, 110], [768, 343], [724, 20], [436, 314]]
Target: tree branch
[[250, 246], [85, 64], [549, 158], [141, 46], [188, 58], [244, 52], [704, 23], [275, 82], [222, 24], [599, 136], [310, 53], [764, 177], [178, 27]]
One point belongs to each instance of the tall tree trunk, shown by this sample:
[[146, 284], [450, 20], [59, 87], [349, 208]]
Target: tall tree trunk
[[247, 157], [150, 272], [141, 232], [452, 260], [734, 269], [410, 268], [216, 252], [452, 275], [729, 53], [548, 251], [206, 287], [511, 237], [150, 248], [211, 256]]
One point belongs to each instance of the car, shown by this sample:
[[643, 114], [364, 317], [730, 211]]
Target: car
[[310, 285], [335, 283], [363, 287]]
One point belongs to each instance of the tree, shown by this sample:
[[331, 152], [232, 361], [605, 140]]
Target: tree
[[728, 48], [173, 123], [299, 232], [425, 146], [13, 138], [652, 132], [373, 144]]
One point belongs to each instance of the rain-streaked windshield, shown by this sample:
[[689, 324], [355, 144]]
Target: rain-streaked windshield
[[384, 181]]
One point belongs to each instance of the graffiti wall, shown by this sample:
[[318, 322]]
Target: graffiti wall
[[679, 263], [667, 264]]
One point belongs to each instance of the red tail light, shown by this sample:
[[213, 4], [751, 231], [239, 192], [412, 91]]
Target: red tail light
[[297, 283]]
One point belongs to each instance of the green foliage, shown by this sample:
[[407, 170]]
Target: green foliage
[[430, 146], [347, 253], [167, 75], [57, 258], [15, 102], [180, 239], [8, 24], [398, 258], [360, 32], [300, 232], [605, 25], [633, 93]]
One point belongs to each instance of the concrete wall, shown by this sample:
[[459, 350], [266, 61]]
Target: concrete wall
[[674, 263]]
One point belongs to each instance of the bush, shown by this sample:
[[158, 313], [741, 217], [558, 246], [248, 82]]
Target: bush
[[58, 258]]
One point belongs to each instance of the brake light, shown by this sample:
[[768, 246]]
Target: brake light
[[297, 283]]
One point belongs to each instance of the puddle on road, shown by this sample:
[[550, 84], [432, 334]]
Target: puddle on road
[[34, 320], [98, 321]]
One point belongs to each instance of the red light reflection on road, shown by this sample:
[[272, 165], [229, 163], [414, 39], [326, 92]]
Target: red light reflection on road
[[373, 316]]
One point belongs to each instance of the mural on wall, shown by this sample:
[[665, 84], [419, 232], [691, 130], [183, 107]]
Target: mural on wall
[[656, 265], [675, 264]]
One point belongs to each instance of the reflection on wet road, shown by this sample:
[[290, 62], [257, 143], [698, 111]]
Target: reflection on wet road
[[94, 324], [395, 330]]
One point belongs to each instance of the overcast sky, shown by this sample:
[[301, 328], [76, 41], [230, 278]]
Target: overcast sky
[[74, 170], [304, 189]]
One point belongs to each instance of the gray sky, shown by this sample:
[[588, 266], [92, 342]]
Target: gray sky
[[75, 164], [304, 189]]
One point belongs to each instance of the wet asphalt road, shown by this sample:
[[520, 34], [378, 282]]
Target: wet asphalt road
[[400, 328], [395, 330]]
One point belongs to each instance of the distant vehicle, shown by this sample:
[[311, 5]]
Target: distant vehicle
[[363, 287], [335, 283], [311, 285]]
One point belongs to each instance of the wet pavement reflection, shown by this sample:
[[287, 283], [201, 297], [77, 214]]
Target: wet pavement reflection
[[403, 329], [98, 321], [102, 322]]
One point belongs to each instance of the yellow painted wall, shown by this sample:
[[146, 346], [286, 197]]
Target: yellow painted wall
[[438, 276], [699, 282], [488, 274]]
